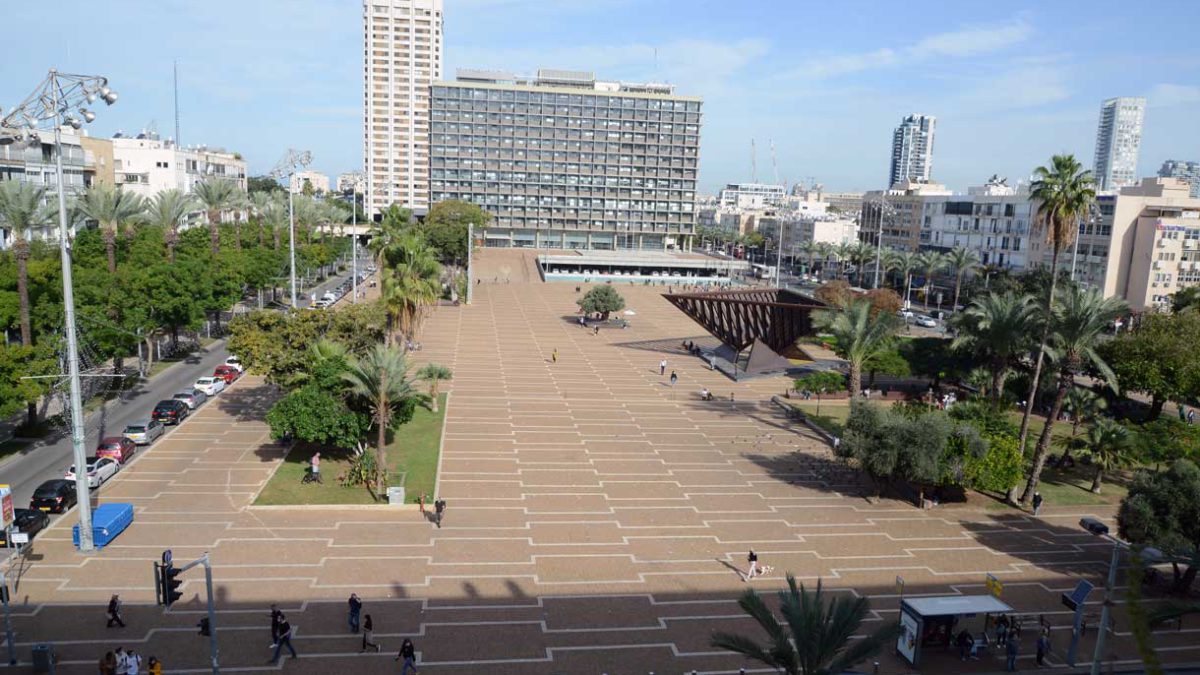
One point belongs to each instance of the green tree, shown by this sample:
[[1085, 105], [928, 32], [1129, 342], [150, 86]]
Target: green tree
[[21, 210], [433, 373], [1165, 440], [1084, 406], [1064, 194], [1185, 298], [961, 260], [1078, 327], [1158, 358], [410, 284], [263, 184], [930, 263], [169, 209], [1110, 446], [215, 195], [906, 263], [168, 294], [998, 469], [445, 228], [892, 446], [857, 336], [994, 330], [113, 209], [602, 299], [17, 364], [888, 362], [1161, 510], [820, 382], [380, 380], [820, 637], [316, 416]]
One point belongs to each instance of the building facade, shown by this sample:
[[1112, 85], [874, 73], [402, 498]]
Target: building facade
[[563, 160], [912, 150], [402, 57], [1187, 171], [318, 181], [1118, 140], [147, 165], [32, 162], [751, 195]]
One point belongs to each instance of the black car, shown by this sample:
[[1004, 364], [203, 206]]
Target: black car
[[27, 521], [170, 411], [54, 496]]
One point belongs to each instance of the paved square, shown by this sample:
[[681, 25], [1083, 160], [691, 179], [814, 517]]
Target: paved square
[[596, 519]]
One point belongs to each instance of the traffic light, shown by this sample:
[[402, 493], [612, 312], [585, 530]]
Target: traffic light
[[171, 583]]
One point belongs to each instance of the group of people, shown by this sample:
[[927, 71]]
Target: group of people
[[120, 661], [358, 622], [439, 508], [1008, 637]]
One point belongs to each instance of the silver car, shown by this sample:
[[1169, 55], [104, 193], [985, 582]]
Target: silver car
[[144, 433], [194, 398]]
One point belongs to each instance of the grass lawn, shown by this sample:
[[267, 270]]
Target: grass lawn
[[412, 457], [833, 414], [1036, 422]]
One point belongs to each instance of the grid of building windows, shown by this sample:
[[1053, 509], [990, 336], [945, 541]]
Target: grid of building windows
[[560, 166]]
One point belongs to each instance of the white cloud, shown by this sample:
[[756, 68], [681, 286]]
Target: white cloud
[[1166, 95]]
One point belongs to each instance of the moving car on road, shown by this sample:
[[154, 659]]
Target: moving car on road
[[99, 469], [119, 448], [926, 321], [26, 521], [54, 496], [211, 386], [192, 399], [170, 411], [143, 433]]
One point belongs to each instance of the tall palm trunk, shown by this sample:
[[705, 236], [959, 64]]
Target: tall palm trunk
[[855, 380], [237, 232], [110, 249], [172, 237], [957, 288], [381, 445], [1037, 370], [214, 231], [276, 233], [1039, 457], [21, 253], [998, 382]]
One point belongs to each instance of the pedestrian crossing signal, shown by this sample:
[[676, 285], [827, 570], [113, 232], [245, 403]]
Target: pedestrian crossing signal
[[170, 584]]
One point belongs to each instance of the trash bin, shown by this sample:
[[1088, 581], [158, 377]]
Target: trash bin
[[395, 495], [43, 658]]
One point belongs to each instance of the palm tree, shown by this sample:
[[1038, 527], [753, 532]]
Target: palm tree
[[906, 264], [996, 329], [962, 260], [112, 209], [1109, 444], [858, 336], [381, 379], [824, 250], [1085, 406], [861, 253], [888, 261], [168, 210], [1077, 327], [808, 249], [929, 262], [410, 284], [819, 637], [434, 373], [1064, 193], [841, 253], [239, 203], [215, 196], [21, 209]]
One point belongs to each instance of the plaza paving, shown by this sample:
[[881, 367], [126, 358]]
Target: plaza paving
[[596, 519]]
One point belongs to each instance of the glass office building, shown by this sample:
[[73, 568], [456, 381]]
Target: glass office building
[[563, 161]]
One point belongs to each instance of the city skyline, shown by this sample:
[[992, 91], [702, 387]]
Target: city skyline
[[1005, 91]]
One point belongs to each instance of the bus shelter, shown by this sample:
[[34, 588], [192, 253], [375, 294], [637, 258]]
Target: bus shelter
[[928, 622]]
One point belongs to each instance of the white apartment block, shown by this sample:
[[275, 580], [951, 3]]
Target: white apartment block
[[318, 181], [912, 150], [1118, 139], [32, 161], [402, 57], [1188, 171], [751, 195], [147, 165]]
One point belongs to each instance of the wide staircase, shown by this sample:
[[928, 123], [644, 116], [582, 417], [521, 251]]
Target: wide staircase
[[500, 265]]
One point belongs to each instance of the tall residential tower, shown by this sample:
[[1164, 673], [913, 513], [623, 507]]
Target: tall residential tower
[[1118, 139], [402, 56], [912, 150], [1188, 171]]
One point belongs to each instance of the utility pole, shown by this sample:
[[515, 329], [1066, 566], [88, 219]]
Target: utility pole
[[470, 248], [356, 178], [286, 167]]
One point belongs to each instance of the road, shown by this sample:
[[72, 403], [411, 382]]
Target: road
[[51, 459]]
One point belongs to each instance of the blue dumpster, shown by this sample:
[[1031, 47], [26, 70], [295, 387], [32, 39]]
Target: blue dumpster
[[108, 520]]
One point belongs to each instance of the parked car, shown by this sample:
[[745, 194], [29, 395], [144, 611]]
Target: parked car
[[926, 321], [120, 448], [170, 411], [192, 399], [142, 433], [27, 521], [329, 295], [99, 469], [906, 314], [236, 363], [211, 386], [54, 496], [227, 373]]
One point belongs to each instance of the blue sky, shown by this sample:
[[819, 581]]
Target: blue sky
[[1010, 83]]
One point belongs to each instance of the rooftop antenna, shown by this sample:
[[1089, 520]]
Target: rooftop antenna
[[178, 140], [753, 162], [774, 162]]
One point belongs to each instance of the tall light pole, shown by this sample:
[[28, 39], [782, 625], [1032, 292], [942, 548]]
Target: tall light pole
[[62, 99], [356, 180], [884, 208], [287, 166], [779, 254]]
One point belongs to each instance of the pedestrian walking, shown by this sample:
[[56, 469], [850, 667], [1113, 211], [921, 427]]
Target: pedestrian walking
[[284, 640], [662, 367], [732, 402], [439, 508], [154, 666], [1011, 650], [276, 619], [1037, 503], [316, 466], [1191, 416], [133, 662], [122, 661], [753, 560], [408, 653], [554, 355], [355, 611], [421, 502], [595, 330], [674, 378], [1043, 647], [114, 611], [1002, 630], [108, 664], [368, 628]]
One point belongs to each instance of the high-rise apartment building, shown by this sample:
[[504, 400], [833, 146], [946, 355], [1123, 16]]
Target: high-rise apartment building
[[1118, 138], [402, 56], [1187, 171], [912, 150], [563, 160]]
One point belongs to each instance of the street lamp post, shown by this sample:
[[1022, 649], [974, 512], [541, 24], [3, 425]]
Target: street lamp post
[[356, 179], [884, 207], [62, 99], [286, 167]]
